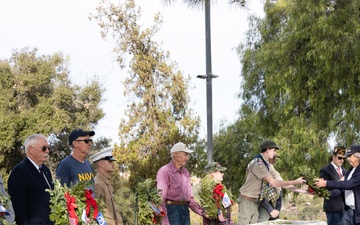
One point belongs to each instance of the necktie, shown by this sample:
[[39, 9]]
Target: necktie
[[42, 172], [339, 172]]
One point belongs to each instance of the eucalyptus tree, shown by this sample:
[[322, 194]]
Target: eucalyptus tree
[[157, 114], [301, 76], [209, 75]]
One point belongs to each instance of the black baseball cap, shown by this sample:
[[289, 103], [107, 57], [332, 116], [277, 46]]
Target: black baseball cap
[[269, 144], [79, 133]]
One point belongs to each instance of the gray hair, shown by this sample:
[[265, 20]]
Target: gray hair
[[357, 154], [32, 139]]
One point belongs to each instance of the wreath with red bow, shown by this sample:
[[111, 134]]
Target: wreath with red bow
[[211, 195], [72, 205], [148, 203]]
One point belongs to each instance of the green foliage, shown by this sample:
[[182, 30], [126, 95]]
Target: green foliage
[[147, 194], [300, 86], [234, 148], [157, 115], [59, 214], [207, 200], [125, 199], [37, 96], [309, 176], [302, 56]]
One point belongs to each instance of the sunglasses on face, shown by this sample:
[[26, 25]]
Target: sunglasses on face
[[87, 141], [341, 158], [43, 148]]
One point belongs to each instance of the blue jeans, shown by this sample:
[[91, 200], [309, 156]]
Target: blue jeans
[[178, 214], [334, 218]]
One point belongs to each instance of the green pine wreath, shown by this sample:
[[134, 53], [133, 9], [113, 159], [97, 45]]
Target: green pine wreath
[[207, 200], [149, 201], [309, 176], [58, 204]]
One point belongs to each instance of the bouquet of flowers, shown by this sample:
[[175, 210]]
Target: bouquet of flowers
[[309, 176], [212, 196], [148, 203], [74, 205]]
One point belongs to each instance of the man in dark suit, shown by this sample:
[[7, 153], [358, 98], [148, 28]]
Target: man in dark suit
[[350, 185], [334, 171], [28, 181]]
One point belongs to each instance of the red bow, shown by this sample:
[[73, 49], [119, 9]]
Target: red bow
[[90, 202], [218, 194], [71, 206], [153, 218]]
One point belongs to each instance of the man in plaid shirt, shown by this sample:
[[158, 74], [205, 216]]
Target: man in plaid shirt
[[173, 180]]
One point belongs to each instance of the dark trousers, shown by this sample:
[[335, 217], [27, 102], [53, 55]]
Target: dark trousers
[[349, 216], [334, 218], [178, 214]]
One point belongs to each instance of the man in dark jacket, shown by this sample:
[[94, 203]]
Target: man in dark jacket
[[350, 185], [333, 207], [28, 182]]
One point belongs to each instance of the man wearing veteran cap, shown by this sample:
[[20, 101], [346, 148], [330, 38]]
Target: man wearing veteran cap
[[258, 181], [173, 180], [214, 197], [351, 186], [333, 207], [75, 167], [104, 164]]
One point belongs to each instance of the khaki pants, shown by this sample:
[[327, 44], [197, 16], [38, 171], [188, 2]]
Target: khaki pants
[[263, 215], [248, 211]]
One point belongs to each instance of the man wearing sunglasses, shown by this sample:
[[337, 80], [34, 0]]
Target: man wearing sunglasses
[[75, 167], [334, 171], [28, 181]]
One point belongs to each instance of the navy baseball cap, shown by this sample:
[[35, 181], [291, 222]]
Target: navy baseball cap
[[79, 133], [353, 149]]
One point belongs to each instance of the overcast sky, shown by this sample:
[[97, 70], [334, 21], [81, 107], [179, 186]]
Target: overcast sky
[[63, 25]]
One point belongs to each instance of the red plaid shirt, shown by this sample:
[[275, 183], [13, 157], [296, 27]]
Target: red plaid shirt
[[175, 185]]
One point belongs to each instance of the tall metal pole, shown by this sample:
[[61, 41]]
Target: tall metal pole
[[208, 82], [208, 78]]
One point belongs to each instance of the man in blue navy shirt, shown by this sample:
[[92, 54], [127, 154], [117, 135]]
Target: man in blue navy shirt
[[75, 167]]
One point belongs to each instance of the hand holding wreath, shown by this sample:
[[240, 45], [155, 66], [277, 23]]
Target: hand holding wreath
[[214, 197]]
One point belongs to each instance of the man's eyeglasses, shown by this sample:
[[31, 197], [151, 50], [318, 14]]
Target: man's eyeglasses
[[87, 141], [341, 158], [43, 148]]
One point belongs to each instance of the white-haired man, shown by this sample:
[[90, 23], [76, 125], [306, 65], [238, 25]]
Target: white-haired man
[[173, 180], [28, 181]]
